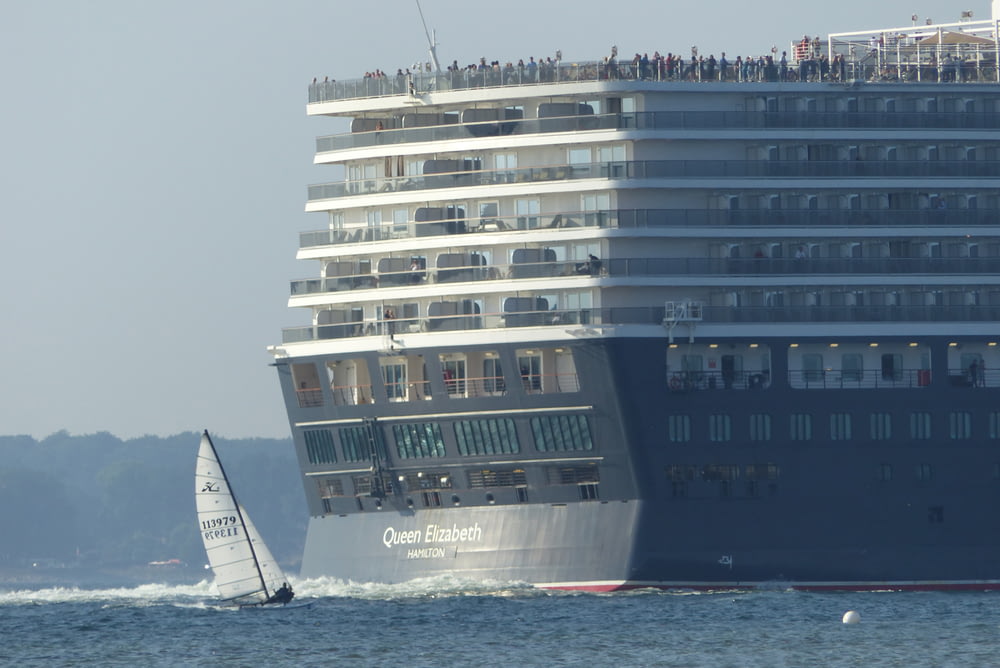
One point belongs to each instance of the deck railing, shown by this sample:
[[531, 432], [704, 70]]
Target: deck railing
[[670, 120], [643, 315], [664, 169], [656, 218], [892, 63], [649, 268]]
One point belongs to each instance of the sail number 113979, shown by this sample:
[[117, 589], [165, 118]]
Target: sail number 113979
[[219, 527]]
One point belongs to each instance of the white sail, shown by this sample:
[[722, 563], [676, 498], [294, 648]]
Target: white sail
[[245, 571]]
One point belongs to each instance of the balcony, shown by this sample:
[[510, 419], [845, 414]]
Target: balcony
[[665, 169], [667, 120], [900, 65], [642, 315], [659, 218], [532, 263]]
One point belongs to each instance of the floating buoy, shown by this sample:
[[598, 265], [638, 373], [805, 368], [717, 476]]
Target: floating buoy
[[851, 617]]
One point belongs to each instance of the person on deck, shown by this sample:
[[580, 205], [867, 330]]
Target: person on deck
[[283, 595]]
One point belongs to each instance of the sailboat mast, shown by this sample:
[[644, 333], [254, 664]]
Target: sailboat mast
[[239, 513]]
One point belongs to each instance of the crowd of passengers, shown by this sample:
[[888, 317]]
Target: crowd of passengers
[[808, 63]]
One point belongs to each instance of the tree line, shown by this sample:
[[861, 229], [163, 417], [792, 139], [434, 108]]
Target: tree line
[[102, 502]]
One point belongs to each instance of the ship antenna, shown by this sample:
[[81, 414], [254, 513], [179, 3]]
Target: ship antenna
[[432, 43]]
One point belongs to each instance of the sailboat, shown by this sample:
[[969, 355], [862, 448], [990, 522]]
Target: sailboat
[[245, 572]]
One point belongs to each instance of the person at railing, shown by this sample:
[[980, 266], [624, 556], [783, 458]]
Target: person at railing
[[390, 326], [839, 67], [417, 270], [709, 65], [975, 374]]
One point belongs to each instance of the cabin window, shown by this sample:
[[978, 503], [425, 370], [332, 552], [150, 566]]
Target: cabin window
[[881, 426], [530, 366], [883, 472], [307, 387], [840, 426], [615, 153], [719, 428], [800, 427], [394, 377], [453, 371], [760, 427], [924, 472], [578, 156], [920, 426], [851, 368], [493, 382], [527, 211], [812, 367], [679, 428], [502, 161], [892, 366], [959, 425], [400, 220], [994, 425]]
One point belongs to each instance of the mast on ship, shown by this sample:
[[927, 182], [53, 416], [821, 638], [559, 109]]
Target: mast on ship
[[432, 42]]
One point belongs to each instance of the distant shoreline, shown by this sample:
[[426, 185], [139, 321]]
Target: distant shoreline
[[86, 578]]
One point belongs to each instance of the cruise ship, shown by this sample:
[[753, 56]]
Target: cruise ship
[[670, 322]]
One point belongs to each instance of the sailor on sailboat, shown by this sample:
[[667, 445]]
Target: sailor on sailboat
[[245, 572]]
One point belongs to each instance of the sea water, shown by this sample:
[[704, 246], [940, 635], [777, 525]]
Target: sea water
[[444, 622]]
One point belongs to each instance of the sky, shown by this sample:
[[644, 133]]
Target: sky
[[155, 159]]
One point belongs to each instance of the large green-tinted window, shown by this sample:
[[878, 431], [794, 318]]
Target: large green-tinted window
[[354, 444], [558, 433], [319, 446], [486, 437], [418, 440]]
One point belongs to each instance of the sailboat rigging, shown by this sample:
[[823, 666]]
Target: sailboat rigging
[[245, 571]]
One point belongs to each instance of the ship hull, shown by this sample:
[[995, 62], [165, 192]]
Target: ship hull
[[592, 548], [821, 519]]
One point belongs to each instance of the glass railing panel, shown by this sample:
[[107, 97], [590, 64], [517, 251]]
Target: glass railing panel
[[655, 218], [654, 316], [659, 169], [894, 66]]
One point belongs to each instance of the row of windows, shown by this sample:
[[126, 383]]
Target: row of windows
[[714, 472], [841, 427], [490, 436], [923, 472], [428, 486]]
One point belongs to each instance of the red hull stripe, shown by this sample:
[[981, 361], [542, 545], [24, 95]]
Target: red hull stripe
[[928, 585]]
